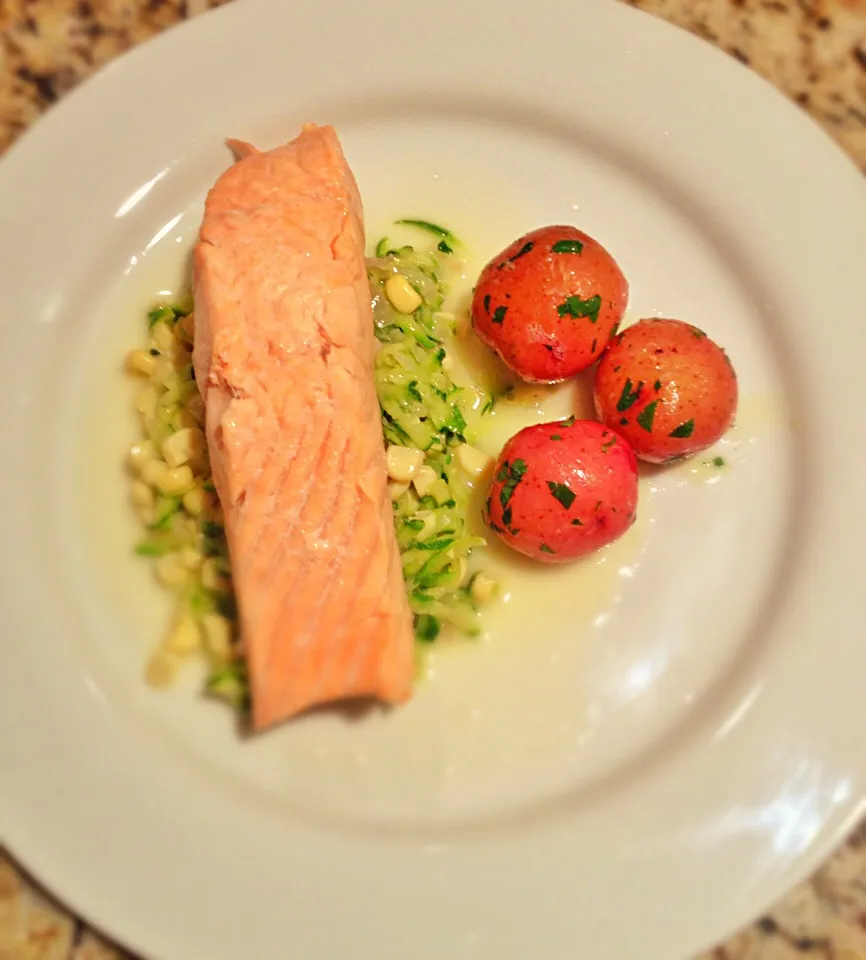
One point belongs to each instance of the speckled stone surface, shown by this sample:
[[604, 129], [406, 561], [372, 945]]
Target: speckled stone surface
[[813, 50]]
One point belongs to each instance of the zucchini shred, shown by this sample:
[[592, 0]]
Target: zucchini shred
[[422, 408]]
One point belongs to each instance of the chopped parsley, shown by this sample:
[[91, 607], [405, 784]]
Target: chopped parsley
[[683, 430], [576, 522], [561, 492], [629, 395], [510, 475], [443, 247], [657, 386], [556, 436], [697, 333], [522, 251], [545, 549], [606, 446], [487, 303], [567, 246], [499, 314], [646, 416], [577, 307]]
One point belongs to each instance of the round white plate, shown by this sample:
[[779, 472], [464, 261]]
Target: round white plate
[[647, 748]]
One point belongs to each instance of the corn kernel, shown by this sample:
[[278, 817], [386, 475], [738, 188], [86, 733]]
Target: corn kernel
[[140, 454], [175, 482], [473, 461], [403, 462], [162, 335], [145, 402], [170, 571], [142, 494], [403, 296], [194, 502], [184, 637], [424, 479], [140, 362], [182, 446], [217, 635], [483, 588], [162, 668], [153, 473]]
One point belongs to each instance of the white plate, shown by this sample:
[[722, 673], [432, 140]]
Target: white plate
[[633, 767]]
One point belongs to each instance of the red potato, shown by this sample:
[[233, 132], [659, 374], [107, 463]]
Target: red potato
[[561, 490], [667, 388], [549, 303]]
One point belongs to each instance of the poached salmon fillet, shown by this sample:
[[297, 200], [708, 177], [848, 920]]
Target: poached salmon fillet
[[283, 356]]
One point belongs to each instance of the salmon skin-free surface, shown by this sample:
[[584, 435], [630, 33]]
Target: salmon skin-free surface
[[283, 356]]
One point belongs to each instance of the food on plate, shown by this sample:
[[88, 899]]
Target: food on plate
[[276, 358], [312, 436], [667, 388], [549, 303], [561, 490], [429, 422], [283, 357]]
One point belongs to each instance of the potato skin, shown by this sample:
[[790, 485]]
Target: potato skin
[[667, 388], [549, 303], [562, 490]]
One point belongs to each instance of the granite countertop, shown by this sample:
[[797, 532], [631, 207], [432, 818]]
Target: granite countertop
[[813, 50]]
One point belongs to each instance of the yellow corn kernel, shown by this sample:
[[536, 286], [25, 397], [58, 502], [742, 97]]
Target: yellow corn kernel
[[184, 637], [182, 446], [141, 494], [424, 480], [175, 482], [473, 461], [140, 362], [145, 402], [211, 578], [217, 635], [162, 668], [403, 462], [403, 296], [483, 588], [194, 502], [163, 336], [140, 454], [170, 571], [153, 473]]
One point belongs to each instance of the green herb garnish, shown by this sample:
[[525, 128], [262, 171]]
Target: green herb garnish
[[629, 395], [561, 492], [646, 416], [567, 246], [683, 430], [499, 314], [576, 307]]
